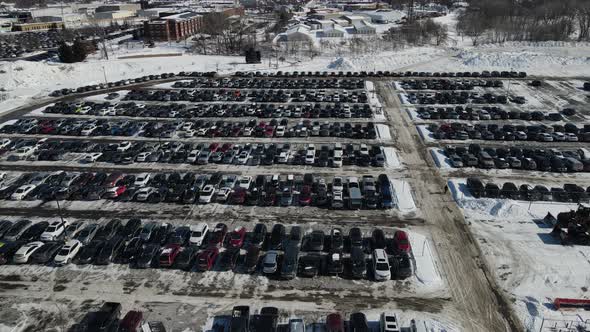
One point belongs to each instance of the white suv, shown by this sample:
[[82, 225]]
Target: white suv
[[54, 231], [198, 234], [381, 265]]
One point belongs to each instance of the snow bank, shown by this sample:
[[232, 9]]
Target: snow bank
[[383, 132], [426, 268], [403, 196], [391, 158]]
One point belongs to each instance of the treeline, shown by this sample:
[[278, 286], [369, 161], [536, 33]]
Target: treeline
[[420, 32], [497, 21]]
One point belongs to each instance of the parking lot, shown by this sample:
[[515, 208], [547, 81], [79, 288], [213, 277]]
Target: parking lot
[[310, 156]]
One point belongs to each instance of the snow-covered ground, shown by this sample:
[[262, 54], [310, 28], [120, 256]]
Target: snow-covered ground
[[403, 196], [530, 264]]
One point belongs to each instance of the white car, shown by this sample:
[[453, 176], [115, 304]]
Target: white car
[[54, 231], [144, 194], [92, 157], [24, 152], [23, 254], [283, 157], [124, 146], [4, 142], [193, 156], [381, 265], [198, 233], [67, 252], [223, 194], [544, 137], [243, 157], [245, 182], [280, 132], [142, 180], [389, 322], [22, 192], [558, 136], [310, 158], [337, 161], [247, 131], [88, 130], [142, 157], [206, 194], [571, 137]]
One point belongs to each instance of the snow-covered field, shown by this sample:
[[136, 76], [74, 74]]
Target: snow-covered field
[[530, 265]]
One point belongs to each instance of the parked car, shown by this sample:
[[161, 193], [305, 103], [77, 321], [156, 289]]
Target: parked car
[[67, 252]]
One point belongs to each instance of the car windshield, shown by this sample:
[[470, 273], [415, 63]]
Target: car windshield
[[236, 236], [196, 234], [51, 229], [63, 252], [382, 267], [269, 264]]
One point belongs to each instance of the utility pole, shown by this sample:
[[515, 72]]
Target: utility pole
[[59, 210]]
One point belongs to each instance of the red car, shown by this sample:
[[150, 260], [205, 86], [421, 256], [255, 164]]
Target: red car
[[334, 323], [131, 321], [236, 239], [206, 259], [305, 196], [226, 146], [213, 147], [116, 192], [113, 179], [402, 243], [238, 197], [168, 255]]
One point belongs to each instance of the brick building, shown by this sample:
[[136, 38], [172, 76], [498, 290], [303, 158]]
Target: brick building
[[181, 25], [173, 27]]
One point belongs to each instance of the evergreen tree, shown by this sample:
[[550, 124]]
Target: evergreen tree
[[78, 51], [65, 53]]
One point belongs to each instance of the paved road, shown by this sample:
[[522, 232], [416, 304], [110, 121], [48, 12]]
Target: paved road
[[472, 288]]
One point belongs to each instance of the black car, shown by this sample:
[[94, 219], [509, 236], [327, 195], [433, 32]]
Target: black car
[[356, 237], [358, 264], [130, 252], [34, 232], [378, 240], [110, 250], [5, 225], [46, 253], [108, 230], [258, 235], [16, 230], [240, 319], [7, 251], [295, 236], [276, 237], [130, 229], [310, 265], [252, 257], [334, 264], [160, 235], [186, 258], [89, 252], [404, 266], [228, 259], [315, 241], [181, 236], [358, 322], [148, 257]]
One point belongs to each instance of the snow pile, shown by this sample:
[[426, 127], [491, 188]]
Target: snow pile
[[518, 60], [341, 64]]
